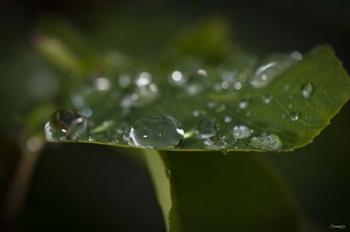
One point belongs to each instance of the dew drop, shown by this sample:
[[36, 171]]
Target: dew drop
[[243, 104], [294, 116], [156, 131], [202, 72], [206, 129], [66, 125], [227, 119], [124, 81], [296, 55], [307, 90], [267, 98], [216, 142], [265, 141], [102, 84], [143, 79], [237, 85], [177, 78], [241, 132], [270, 69], [198, 113]]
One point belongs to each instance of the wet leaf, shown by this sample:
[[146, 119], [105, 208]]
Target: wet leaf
[[278, 103]]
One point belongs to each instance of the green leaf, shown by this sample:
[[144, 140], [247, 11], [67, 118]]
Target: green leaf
[[213, 192], [278, 103]]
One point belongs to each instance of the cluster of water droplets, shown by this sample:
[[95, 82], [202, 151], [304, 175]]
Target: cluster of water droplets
[[143, 91], [214, 123], [193, 82]]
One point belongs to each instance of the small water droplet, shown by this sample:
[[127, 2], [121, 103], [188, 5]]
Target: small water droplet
[[156, 131], [241, 132], [216, 142], [294, 116], [290, 106], [202, 72], [66, 125], [265, 141], [270, 69], [198, 113], [296, 55], [211, 104], [124, 81], [177, 78], [307, 90], [243, 104], [237, 85], [206, 128], [143, 79], [227, 119], [267, 98], [102, 84]]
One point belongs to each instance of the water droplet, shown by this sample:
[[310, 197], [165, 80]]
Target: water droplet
[[241, 132], [102, 84], [271, 68], [206, 129], [156, 131], [265, 141], [227, 119], [294, 116], [202, 72], [237, 85], [243, 104], [198, 113], [307, 90], [216, 142], [143, 79], [177, 78], [124, 81], [267, 98], [66, 125], [143, 94], [290, 106], [296, 55], [211, 104]]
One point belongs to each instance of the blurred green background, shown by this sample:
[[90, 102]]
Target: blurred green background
[[95, 188]]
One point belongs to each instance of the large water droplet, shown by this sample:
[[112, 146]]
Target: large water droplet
[[206, 129], [265, 141], [66, 125], [270, 69], [156, 131], [307, 90], [294, 116], [241, 132]]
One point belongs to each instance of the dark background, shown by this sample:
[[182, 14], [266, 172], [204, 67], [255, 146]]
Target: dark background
[[88, 196]]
